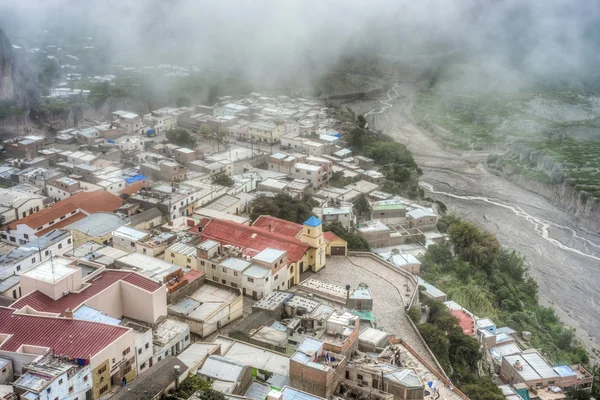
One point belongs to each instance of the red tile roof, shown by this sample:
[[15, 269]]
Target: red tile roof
[[41, 302], [133, 188], [465, 321], [91, 202], [69, 337], [253, 239], [277, 225], [61, 224], [330, 237]]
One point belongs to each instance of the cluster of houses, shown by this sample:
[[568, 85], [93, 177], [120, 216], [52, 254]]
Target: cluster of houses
[[125, 267]]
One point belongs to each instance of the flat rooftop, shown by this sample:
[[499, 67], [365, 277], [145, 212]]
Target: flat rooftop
[[51, 270], [258, 357]]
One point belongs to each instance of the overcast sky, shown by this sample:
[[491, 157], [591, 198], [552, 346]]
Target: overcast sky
[[521, 36]]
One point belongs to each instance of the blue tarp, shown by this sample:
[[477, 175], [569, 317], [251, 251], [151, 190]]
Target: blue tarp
[[136, 178], [110, 141]]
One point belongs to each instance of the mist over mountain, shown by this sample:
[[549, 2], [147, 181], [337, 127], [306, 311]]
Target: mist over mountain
[[270, 40]]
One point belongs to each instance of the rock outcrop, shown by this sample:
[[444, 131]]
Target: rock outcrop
[[562, 192], [7, 89]]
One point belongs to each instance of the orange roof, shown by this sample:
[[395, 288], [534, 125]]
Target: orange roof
[[133, 188], [61, 224], [465, 321], [278, 225], [253, 239], [330, 237], [91, 202]]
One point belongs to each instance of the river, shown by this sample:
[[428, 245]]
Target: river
[[563, 258]]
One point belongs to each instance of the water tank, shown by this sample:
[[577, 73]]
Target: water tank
[[526, 335]]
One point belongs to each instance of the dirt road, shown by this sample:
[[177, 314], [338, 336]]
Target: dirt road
[[564, 259]]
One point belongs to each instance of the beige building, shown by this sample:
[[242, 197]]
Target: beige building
[[69, 299]]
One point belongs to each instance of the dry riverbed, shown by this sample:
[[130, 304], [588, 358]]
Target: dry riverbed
[[563, 258]]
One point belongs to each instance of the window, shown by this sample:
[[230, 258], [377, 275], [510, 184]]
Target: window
[[147, 345], [60, 381], [223, 281], [213, 266], [70, 389], [359, 377], [235, 273], [267, 279], [309, 231], [139, 351], [539, 384], [85, 378], [26, 236], [276, 277], [292, 269], [224, 270], [60, 245], [143, 365], [215, 279], [187, 337], [47, 252], [550, 382], [18, 267], [166, 353], [103, 389], [188, 260], [12, 239], [63, 217], [251, 280], [347, 374], [233, 284], [202, 263], [73, 212], [69, 241], [102, 370], [14, 297], [159, 358]]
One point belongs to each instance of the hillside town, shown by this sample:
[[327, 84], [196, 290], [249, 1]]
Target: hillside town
[[132, 262]]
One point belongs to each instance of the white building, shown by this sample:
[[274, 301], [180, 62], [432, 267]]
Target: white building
[[170, 338], [126, 238], [52, 244], [15, 205], [54, 378]]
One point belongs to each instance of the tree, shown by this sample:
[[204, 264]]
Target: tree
[[204, 130], [211, 394], [191, 385], [283, 206], [223, 180], [181, 137], [362, 121], [222, 132], [355, 242], [213, 94], [361, 206], [183, 101]]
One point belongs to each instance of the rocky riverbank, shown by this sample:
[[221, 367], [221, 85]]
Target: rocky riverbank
[[563, 257]]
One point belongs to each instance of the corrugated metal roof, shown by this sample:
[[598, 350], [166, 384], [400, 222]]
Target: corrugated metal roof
[[69, 337], [219, 367]]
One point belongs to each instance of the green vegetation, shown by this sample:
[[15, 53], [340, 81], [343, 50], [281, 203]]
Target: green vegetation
[[195, 383], [283, 206], [53, 107], [183, 101], [181, 137], [355, 242], [456, 352], [339, 181], [492, 282], [556, 120], [223, 180], [395, 161], [580, 160], [9, 109], [362, 207]]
